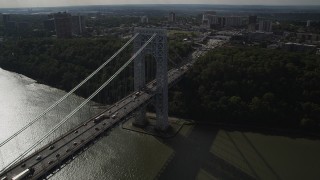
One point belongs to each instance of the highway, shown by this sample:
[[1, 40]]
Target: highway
[[55, 154]]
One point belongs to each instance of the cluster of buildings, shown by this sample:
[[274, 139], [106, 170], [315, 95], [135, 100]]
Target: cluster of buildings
[[65, 25], [10, 25], [309, 38], [210, 19], [171, 18], [261, 25]]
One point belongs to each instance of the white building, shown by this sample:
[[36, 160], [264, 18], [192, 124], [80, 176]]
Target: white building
[[172, 17], [308, 23], [144, 19]]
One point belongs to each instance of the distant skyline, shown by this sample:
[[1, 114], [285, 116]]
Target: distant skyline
[[53, 3]]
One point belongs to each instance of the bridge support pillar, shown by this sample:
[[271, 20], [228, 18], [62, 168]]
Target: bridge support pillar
[[158, 48]]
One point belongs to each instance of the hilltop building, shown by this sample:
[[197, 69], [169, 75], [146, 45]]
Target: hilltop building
[[265, 26], [308, 23], [252, 23], [233, 21], [299, 47], [78, 25], [63, 25], [144, 19], [23, 26], [5, 19], [210, 20], [206, 15], [49, 25], [172, 17], [309, 38]]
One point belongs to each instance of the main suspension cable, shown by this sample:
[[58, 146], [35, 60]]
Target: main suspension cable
[[81, 105], [68, 94]]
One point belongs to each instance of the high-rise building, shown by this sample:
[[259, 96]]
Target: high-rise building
[[144, 19], [78, 25], [233, 21], [5, 19], [252, 23], [63, 25], [172, 17], [308, 23], [206, 15], [11, 25], [23, 26], [49, 25], [252, 19], [265, 26], [223, 21]]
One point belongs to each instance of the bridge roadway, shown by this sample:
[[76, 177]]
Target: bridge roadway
[[54, 154]]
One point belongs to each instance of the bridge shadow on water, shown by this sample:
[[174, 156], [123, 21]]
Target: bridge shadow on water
[[192, 156]]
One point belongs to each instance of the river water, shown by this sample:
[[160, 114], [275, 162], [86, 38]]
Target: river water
[[197, 152], [120, 155]]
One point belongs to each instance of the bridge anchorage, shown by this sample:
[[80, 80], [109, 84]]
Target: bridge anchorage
[[158, 49]]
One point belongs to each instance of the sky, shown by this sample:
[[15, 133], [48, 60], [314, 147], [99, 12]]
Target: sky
[[49, 3]]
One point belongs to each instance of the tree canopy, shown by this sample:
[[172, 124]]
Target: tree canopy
[[252, 85]]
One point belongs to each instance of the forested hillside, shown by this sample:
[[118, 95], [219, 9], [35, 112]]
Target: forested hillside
[[252, 85], [63, 63]]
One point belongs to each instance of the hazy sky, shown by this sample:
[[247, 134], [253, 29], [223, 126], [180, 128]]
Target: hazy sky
[[46, 3]]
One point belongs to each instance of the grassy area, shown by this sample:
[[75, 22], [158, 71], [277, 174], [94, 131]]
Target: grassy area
[[269, 157], [186, 33]]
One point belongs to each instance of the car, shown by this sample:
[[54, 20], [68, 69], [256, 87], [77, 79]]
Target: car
[[100, 118], [67, 150], [22, 175], [50, 162], [76, 131], [75, 143], [38, 158], [97, 129], [51, 147]]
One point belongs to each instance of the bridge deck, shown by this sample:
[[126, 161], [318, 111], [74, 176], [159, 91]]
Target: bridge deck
[[68, 144]]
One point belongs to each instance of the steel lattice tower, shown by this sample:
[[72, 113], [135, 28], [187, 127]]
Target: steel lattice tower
[[158, 48]]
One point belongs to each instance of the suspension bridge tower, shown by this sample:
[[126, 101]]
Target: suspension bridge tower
[[158, 48]]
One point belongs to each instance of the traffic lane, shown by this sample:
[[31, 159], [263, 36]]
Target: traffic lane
[[71, 147], [122, 113], [31, 161]]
